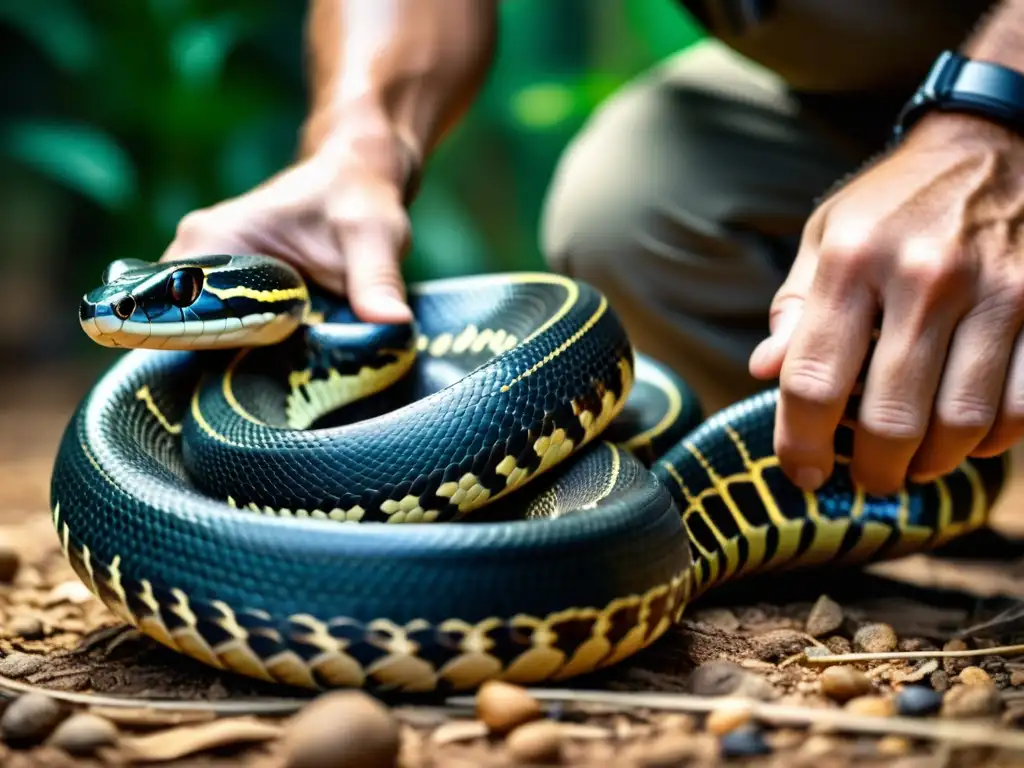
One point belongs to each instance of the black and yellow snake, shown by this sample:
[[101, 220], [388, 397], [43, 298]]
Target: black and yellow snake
[[208, 488]]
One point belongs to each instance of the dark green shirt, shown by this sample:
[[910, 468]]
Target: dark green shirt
[[842, 45]]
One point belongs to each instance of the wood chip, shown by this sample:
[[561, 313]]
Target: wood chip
[[584, 732], [176, 743], [918, 673], [459, 730]]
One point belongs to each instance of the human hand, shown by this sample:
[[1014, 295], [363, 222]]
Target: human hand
[[932, 234], [338, 216]]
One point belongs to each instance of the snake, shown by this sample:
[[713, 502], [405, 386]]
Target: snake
[[502, 488]]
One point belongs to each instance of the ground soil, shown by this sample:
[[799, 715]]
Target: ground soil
[[55, 636]]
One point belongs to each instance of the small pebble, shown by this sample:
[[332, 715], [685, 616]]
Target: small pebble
[[1017, 677], [726, 678], [918, 701], [786, 738], [954, 664], [915, 644], [893, 745], [83, 734], [727, 718], [974, 676], [964, 701], [341, 729], [818, 746], [816, 650], [839, 645], [25, 627], [72, 591], [667, 751], [536, 743], [826, 616], [939, 680], [10, 561], [30, 718], [678, 722], [875, 638], [843, 683], [870, 706], [503, 706], [19, 665], [719, 618], [745, 742]]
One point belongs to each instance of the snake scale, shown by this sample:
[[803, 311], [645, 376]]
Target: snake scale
[[502, 489]]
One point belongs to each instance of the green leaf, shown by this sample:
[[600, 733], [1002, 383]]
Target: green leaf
[[199, 49], [58, 28], [81, 158]]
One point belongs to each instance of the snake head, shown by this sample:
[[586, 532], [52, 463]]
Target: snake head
[[210, 302]]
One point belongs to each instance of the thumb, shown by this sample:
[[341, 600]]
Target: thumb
[[787, 309], [374, 279]]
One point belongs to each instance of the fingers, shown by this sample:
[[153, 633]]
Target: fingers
[[968, 400], [375, 285], [924, 301], [822, 362], [373, 234], [787, 307], [199, 234], [1009, 425]]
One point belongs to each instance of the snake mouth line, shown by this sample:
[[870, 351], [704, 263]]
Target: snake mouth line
[[111, 331]]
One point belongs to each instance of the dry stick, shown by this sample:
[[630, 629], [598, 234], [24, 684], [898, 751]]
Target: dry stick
[[1001, 650], [779, 714], [259, 706]]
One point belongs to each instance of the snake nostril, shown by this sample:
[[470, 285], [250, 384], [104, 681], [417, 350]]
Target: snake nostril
[[124, 307]]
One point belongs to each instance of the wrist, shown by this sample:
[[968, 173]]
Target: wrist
[[360, 132], [955, 129]]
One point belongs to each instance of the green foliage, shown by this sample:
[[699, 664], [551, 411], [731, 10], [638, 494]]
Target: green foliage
[[141, 111]]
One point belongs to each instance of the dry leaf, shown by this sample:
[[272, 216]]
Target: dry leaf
[[152, 718], [190, 739]]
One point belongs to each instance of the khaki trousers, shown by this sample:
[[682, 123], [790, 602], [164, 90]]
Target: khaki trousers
[[684, 198]]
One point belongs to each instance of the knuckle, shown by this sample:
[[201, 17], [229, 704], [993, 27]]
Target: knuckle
[[1010, 297], [892, 420], [847, 257], [813, 382], [366, 214], [933, 271], [966, 411], [193, 228]]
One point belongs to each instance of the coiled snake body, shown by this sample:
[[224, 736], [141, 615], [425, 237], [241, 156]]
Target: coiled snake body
[[235, 488]]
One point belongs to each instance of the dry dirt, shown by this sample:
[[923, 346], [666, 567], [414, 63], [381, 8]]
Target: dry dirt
[[53, 635]]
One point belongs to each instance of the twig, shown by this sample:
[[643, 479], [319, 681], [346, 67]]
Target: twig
[[839, 658], [256, 706], [974, 734]]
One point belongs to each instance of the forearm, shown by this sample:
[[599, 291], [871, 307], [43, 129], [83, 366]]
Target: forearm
[[405, 68], [1000, 38]]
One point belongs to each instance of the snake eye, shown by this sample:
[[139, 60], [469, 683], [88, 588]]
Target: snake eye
[[184, 286], [124, 307]]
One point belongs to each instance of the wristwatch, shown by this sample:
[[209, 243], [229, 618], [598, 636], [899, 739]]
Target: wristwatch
[[959, 84]]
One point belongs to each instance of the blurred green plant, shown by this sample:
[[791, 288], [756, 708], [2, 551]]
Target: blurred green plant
[[141, 111]]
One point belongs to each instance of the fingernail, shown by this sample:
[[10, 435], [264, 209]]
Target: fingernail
[[809, 478], [388, 304], [922, 478]]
